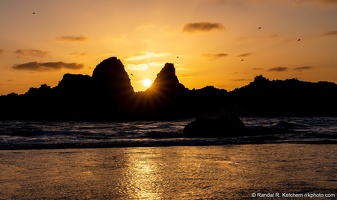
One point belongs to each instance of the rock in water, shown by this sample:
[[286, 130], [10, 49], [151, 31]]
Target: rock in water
[[223, 126]]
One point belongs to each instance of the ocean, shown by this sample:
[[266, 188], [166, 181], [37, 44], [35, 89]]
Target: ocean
[[153, 160], [74, 134]]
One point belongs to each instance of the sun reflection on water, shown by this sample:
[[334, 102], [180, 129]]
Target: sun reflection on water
[[218, 172], [144, 178]]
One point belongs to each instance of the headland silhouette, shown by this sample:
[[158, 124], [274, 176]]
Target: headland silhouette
[[109, 95]]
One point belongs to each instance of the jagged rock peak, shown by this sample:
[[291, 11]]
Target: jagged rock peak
[[168, 69], [261, 79], [167, 80], [167, 75], [69, 79], [110, 74], [109, 67], [75, 82]]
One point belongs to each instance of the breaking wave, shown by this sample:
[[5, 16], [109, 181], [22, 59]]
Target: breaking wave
[[50, 135]]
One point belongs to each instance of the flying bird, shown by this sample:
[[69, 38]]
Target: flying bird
[[241, 59], [33, 13], [299, 40], [259, 27]]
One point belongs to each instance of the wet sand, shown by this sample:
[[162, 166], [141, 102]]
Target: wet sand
[[199, 172]]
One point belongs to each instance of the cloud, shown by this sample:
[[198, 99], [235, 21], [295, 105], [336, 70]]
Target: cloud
[[278, 69], [330, 33], [36, 66], [156, 64], [137, 67], [1, 51], [240, 79], [114, 38], [202, 27], [214, 1], [245, 55], [323, 3], [144, 55], [145, 27], [77, 54], [31, 52], [303, 68], [257, 68], [215, 56], [270, 37], [80, 38], [319, 3]]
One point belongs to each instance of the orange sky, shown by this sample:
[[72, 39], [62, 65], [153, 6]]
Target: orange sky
[[211, 42]]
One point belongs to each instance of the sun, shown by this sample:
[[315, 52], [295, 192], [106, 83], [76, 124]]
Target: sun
[[147, 82]]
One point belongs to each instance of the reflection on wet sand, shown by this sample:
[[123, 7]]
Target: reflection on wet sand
[[143, 177], [213, 172]]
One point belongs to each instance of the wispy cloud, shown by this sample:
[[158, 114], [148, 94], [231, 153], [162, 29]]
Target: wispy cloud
[[114, 38], [80, 38], [145, 27], [156, 64], [240, 79], [31, 52], [257, 68], [319, 3], [245, 54], [137, 67], [270, 37], [1, 51], [278, 69], [322, 3], [44, 66], [144, 55], [215, 56], [214, 1], [330, 33], [303, 68], [202, 27], [77, 54]]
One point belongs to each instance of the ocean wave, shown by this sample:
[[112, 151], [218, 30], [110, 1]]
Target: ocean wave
[[50, 135]]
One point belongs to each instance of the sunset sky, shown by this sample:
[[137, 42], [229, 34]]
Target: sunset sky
[[224, 43]]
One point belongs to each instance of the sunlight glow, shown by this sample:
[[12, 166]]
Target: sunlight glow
[[147, 82], [234, 51]]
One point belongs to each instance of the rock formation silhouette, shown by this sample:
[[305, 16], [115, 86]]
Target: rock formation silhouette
[[167, 82], [108, 95], [113, 91], [290, 97], [111, 79], [165, 99], [223, 126]]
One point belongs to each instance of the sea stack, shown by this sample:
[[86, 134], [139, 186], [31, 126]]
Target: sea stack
[[111, 79], [167, 82]]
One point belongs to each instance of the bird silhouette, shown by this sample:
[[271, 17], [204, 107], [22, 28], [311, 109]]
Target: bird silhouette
[[299, 40], [241, 59], [33, 13], [260, 27]]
